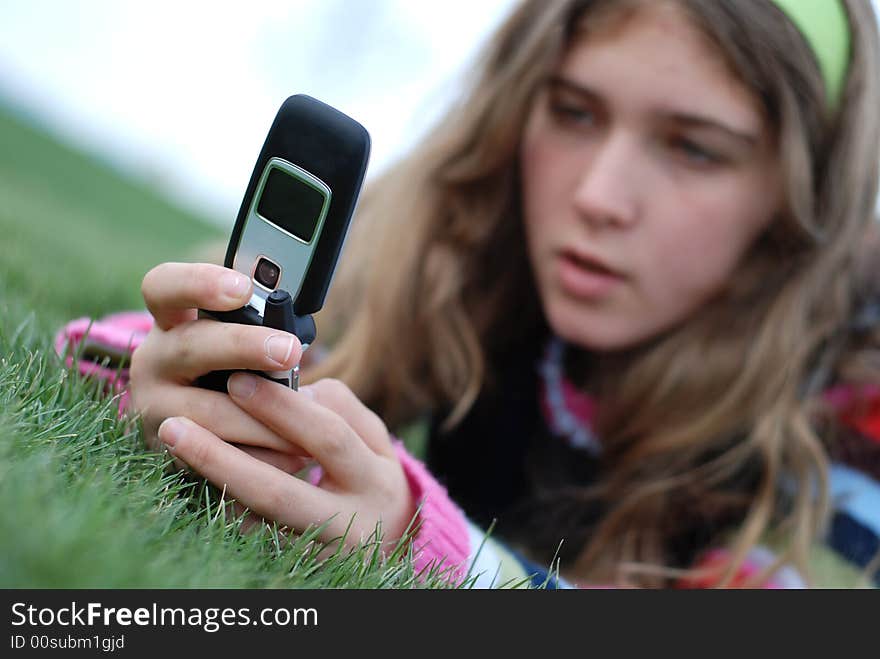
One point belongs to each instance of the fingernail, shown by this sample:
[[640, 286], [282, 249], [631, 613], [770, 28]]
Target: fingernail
[[278, 348], [242, 385], [171, 431], [235, 286], [307, 391]]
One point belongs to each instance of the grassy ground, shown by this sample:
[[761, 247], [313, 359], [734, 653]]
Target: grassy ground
[[84, 504]]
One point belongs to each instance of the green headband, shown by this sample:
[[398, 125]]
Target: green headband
[[825, 26]]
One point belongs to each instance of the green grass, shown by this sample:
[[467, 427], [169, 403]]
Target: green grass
[[85, 505]]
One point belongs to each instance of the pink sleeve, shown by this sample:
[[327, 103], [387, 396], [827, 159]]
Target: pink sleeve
[[441, 539], [117, 334]]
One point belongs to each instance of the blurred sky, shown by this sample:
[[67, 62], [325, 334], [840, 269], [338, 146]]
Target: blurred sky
[[182, 93]]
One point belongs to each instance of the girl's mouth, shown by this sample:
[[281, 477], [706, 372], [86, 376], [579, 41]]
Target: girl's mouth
[[585, 278]]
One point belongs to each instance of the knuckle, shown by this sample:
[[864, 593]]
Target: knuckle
[[337, 386], [385, 491], [242, 338], [277, 498], [142, 357], [182, 345], [140, 379], [334, 443], [377, 425], [237, 342], [199, 453], [335, 389]]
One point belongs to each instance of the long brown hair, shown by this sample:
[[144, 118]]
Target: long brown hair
[[435, 280]]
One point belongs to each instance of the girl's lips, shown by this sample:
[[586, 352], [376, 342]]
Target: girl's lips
[[585, 280]]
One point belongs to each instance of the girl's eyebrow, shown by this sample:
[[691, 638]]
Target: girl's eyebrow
[[696, 121], [574, 87], [681, 118]]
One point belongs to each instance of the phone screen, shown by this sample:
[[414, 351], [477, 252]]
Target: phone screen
[[291, 204]]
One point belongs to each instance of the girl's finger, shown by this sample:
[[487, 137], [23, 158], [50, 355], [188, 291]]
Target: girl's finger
[[216, 412], [294, 415], [289, 464], [196, 348], [265, 490], [173, 291], [335, 395]]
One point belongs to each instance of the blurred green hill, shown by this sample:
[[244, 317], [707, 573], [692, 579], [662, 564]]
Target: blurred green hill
[[76, 236]]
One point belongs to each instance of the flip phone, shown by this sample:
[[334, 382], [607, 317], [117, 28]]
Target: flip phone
[[293, 221]]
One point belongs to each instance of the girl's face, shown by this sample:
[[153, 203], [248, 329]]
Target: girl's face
[[648, 171]]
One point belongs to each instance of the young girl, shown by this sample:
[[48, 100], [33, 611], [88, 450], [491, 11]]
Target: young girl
[[622, 293]]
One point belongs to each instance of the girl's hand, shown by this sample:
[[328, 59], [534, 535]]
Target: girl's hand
[[361, 473], [180, 348]]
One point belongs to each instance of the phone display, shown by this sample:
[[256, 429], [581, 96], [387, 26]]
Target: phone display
[[292, 202]]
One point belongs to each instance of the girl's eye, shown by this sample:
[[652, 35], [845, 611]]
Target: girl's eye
[[694, 153], [573, 115]]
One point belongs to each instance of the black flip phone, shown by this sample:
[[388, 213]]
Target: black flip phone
[[293, 221]]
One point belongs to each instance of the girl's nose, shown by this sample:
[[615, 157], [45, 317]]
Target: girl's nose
[[607, 192]]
